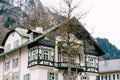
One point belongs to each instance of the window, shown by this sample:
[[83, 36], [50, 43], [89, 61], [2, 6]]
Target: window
[[26, 77], [31, 36], [105, 77], [16, 43], [92, 61], [15, 62], [97, 77], [7, 47], [84, 78], [52, 76], [118, 76], [15, 77], [65, 58], [33, 53], [73, 58], [45, 55], [113, 77], [109, 77], [7, 65]]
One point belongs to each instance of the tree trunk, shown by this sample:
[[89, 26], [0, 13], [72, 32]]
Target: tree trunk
[[69, 69]]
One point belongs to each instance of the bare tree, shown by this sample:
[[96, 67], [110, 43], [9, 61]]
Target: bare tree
[[70, 45]]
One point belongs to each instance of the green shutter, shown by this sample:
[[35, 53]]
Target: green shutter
[[74, 78], [81, 78], [17, 62], [64, 78], [48, 76], [56, 76], [29, 77], [24, 77]]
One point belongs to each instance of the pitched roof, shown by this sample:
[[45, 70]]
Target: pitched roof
[[109, 66], [21, 32], [29, 42]]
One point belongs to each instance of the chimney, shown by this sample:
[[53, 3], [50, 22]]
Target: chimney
[[39, 29]]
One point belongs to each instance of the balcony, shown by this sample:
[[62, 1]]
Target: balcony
[[64, 66], [41, 62]]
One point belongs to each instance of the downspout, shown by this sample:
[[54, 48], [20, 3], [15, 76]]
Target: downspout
[[19, 63]]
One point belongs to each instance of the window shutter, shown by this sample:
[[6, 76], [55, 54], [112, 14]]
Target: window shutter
[[81, 78], [17, 62], [56, 76], [74, 78], [13, 63], [24, 77], [29, 77], [48, 76], [64, 78]]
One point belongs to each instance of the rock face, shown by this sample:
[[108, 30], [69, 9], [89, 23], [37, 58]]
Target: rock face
[[15, 13]]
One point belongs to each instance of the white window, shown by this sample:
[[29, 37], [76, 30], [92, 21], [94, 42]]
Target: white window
[[92, 61], [46, 55], [16, 43], [15, 62], [26, 77], [52, 76], [7, 65], [33, 53], [31, 36]]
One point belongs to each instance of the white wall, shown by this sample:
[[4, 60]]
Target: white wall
[[1, 68], [24, 62]]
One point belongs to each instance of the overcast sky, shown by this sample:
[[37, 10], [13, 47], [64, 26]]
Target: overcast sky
[[103, 19]]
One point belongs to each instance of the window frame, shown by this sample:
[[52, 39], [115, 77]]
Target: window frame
[[15, 62], [52, 74], [27, 77], [7, 65], [7, 47], [16, 43]]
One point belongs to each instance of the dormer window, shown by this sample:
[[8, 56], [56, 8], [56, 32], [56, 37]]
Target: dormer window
[[31, 36]]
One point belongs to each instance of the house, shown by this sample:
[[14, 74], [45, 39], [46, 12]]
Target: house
[[30, 55], [109, 70]]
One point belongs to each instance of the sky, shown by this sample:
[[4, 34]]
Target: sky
[[102, 20]]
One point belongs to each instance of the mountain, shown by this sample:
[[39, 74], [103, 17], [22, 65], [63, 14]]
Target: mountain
[[112, 52], [24, 14]]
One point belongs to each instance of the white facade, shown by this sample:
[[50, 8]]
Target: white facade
[[15, 65]]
